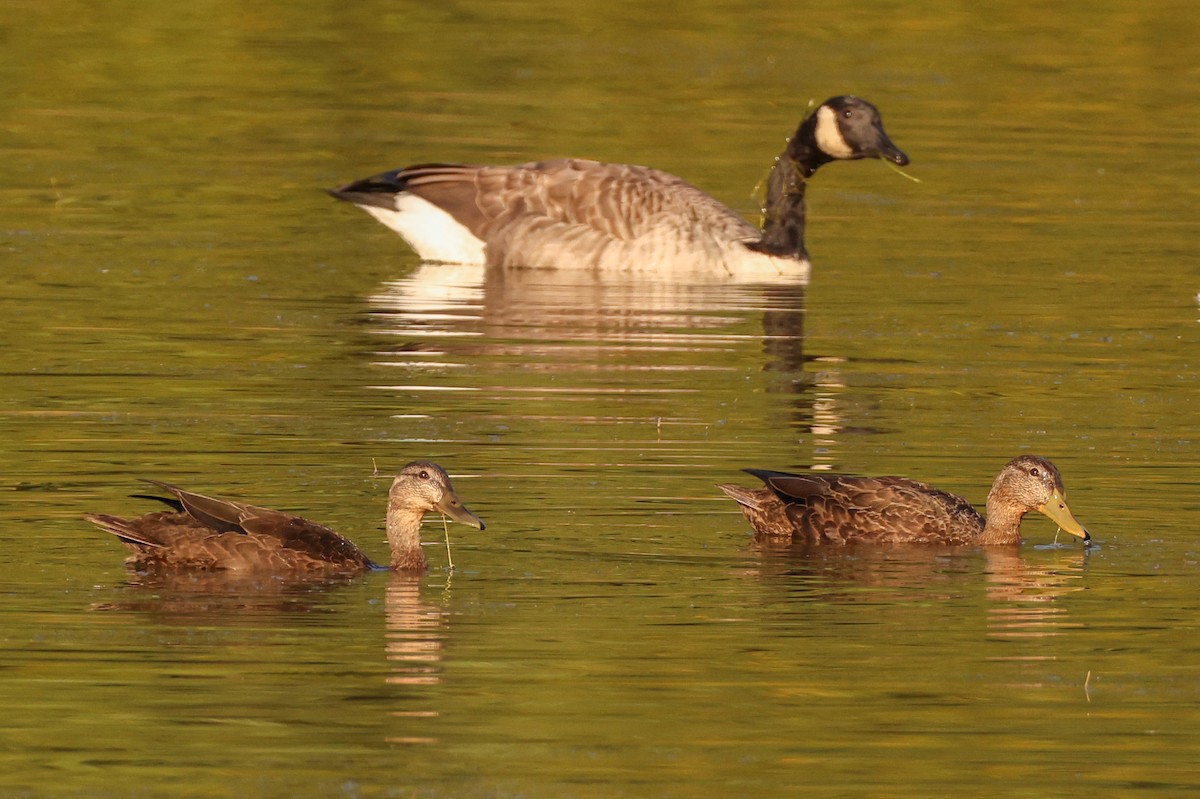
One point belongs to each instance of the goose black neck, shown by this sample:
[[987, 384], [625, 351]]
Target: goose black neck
[[783, 224]]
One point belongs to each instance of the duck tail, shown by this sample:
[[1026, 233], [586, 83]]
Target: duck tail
[[124, 531], [747, 497]]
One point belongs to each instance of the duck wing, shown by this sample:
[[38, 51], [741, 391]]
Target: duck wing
[[846, 509], [260, 537], [307, 540], [221, 515]]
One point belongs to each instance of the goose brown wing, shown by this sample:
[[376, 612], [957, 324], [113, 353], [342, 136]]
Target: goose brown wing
[[624, 201], [541, 212]]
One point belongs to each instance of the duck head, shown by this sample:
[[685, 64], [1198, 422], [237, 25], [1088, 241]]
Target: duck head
[[1033, 483], [423, 486]]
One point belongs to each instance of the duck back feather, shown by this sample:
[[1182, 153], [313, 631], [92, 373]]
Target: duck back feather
[[210, 533], [841, 509], [214, 533]]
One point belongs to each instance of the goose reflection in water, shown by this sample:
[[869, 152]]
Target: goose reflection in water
[[448, 320], [492, 311]]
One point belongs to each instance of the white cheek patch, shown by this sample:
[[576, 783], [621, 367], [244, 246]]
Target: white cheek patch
[[433, 233], [829, 135]]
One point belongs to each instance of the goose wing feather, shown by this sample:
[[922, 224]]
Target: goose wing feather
[[539, 214]]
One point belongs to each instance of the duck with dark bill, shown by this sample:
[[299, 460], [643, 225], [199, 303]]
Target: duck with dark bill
[[208, 533]]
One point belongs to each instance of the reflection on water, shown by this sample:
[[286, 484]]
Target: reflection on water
[[413, 643], [412, 637], [1022, 594], [612, 334], [1024, 597], [193, 311], [565, 306], [863, 573], [220, 597]]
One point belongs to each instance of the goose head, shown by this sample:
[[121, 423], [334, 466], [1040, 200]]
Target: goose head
[[847, 128]]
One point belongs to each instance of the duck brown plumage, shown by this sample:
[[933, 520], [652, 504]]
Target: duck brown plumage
[[839, 509], [210, 533]]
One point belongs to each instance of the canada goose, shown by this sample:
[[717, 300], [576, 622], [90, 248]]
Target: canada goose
[[210, 533], [573, 213], [836, 509]]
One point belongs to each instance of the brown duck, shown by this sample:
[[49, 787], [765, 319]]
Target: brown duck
[[210, 533], [837, 509]]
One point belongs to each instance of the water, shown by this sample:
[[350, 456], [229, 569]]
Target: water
[[181, 301]]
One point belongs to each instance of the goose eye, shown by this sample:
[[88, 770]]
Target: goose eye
[[847, 113]]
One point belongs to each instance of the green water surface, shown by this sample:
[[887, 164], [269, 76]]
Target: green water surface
[[181, 301]]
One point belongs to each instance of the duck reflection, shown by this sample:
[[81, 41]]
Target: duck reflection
[[413, 633], [414, 629], [205, 597], [862, 573], [1022, 593], [414, 639]]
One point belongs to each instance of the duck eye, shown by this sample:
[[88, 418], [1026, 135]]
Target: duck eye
[[424, 475], [1034, 471]]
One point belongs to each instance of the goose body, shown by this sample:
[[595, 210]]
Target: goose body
[[576, 213], [209, 533], [840, 509]]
